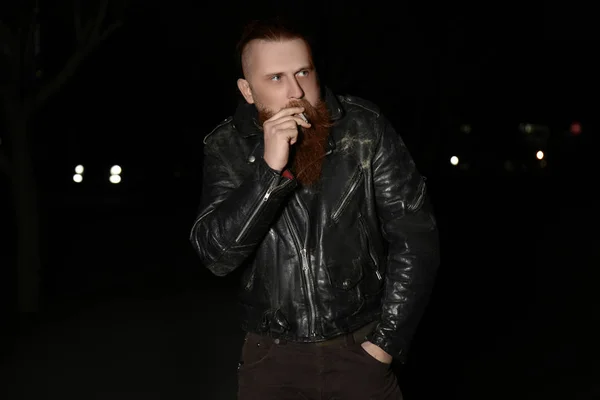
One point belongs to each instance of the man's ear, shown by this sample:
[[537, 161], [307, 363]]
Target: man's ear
[[245, 90]]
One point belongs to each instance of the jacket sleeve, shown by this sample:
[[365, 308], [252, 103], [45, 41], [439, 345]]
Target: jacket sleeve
[[235, 213], [409, 226]]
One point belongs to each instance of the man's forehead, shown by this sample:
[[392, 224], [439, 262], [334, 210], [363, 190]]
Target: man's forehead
[[290, 53]]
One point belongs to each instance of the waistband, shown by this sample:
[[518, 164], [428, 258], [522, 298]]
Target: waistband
[[348, 339]]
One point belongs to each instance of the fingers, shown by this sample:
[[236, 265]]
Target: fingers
[[286, 112], [290, 121], [291, 134], [284, 124], [301, 122]]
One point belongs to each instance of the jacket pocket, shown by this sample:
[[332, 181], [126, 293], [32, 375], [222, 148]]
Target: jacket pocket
[[420, 193], [368, 248], [255, 351], [248, 277], [350, 190], [346, 277]]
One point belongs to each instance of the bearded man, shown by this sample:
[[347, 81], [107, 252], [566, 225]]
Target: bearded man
[[316, 197]]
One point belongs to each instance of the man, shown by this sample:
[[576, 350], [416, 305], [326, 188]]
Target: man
[[316, 197]]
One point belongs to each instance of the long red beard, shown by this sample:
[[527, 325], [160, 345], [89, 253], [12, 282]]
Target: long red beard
[[308, 153]]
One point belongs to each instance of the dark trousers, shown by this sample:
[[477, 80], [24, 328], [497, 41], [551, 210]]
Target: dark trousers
[[343, 370]]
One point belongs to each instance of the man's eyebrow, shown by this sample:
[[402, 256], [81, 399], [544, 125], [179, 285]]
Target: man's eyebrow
[[307, 67]]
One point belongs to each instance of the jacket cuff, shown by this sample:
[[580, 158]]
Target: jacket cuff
[[397, 352]]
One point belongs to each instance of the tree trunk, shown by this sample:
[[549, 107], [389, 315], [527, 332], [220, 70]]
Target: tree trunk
[[19, 113], [25, 200]]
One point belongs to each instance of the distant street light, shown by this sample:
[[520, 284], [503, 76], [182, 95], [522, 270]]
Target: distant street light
[[115, 170]]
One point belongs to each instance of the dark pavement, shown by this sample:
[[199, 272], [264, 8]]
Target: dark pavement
[[131, 315]]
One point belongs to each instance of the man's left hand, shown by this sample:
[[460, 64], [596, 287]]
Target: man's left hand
[[377, 352]]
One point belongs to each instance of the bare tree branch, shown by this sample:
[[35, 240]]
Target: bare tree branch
[[5, 165], [82, 32], [70, 68], [48, 89], [109, 31], [85, 34], [99, 19]]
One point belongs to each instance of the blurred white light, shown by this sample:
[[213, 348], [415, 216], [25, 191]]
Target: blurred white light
[[454, 160], [540, 155], [115, 170], [77, 178], [115, 178], [79, 169], [528, 128]]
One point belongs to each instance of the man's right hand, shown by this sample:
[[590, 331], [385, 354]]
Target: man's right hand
[[281, 131]]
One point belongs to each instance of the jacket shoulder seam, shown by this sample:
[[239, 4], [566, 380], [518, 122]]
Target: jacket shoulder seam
[[216, 128], [362, 103]]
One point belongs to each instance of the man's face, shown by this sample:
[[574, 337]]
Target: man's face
[[278, 73], [281, 75]]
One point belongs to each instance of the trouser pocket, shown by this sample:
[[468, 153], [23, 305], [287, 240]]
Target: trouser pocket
[[256, 350]]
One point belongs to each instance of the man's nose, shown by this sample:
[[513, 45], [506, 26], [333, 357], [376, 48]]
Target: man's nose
[[295, 90]]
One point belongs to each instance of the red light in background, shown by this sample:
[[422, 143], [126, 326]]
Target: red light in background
[[575, 128]]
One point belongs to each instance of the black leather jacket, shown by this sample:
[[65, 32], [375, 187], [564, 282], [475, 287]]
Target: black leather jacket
[[318, 263]]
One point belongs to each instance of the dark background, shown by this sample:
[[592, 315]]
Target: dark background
[[130, 313]]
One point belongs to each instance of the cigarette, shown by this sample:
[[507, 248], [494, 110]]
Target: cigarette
[[303, 117]]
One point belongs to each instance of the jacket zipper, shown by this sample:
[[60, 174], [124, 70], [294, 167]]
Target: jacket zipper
[[270, 190], [309, 278], [305, 267], [369, 248], [349, 193], [309, 291]]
